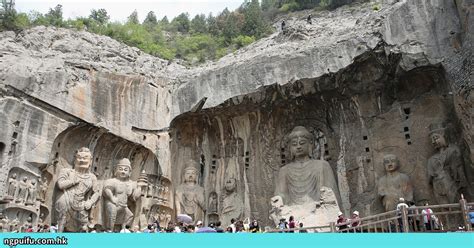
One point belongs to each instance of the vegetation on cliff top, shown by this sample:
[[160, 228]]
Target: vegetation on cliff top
[[194, 40]]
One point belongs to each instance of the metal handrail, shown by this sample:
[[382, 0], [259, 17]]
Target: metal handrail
[[396, 218]]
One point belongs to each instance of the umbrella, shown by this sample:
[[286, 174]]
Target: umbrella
[[206, 230], [184, 218]]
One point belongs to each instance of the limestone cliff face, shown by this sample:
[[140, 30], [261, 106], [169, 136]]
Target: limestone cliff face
[[62, 90], [364, 82]]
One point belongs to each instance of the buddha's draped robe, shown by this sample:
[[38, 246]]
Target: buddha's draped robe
[[300, 182]]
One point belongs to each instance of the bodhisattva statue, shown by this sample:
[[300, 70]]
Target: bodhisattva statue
[[166, 194], [162, 218], [168, 219], [117, 191], [305, 188], [232, 205], [78, 193], [22, 191], [43, 188], [32, 193], [394, 185], [12, 186], [189, 195], [445, 168], [212, 203]]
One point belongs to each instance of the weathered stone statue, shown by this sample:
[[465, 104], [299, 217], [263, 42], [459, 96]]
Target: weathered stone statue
[[143, 220], [117, 191], [32, 193], [213, 202], [159, 191], [5, 223], [41, 219], [12, 187], [78, 192], [394, 185], [162, 218], [165, 193], [445, 168], [305, 187], [232, 205], [150, 190], [156, 191], [43, 188], [189, 195], [22, 191]]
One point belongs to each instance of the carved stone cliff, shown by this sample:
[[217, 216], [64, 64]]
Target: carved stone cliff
[[365, 83]]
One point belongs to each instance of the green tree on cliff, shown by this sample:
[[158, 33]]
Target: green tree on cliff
[[254, 24], [55, 16], [150, 19], [199, 24], [99, 16], [181, 23], [213, 28], [133, 18], [8, 15]]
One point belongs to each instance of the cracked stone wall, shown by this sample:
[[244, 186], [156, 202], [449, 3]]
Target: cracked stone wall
[[356, 116], [364, 82]]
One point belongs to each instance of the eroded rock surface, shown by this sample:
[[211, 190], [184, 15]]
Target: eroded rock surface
[[365, 83]]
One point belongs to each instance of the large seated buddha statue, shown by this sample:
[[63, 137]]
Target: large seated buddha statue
[[305, 188]]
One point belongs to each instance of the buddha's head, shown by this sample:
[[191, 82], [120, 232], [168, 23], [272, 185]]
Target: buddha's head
[[437, 136], [123, 169], [82, 159], [190, 174], [438, 140], [391, 163], [299, 143], [230, 184]]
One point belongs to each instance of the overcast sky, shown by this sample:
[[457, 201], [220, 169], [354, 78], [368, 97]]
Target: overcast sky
[[119, 10]]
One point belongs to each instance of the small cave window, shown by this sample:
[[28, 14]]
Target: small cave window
[[367, 149], [2, 150], [15, 135], [406, 129], [365, 137], [407, 136], [407, 111]]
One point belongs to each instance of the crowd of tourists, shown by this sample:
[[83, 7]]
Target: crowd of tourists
[[428, 222]]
